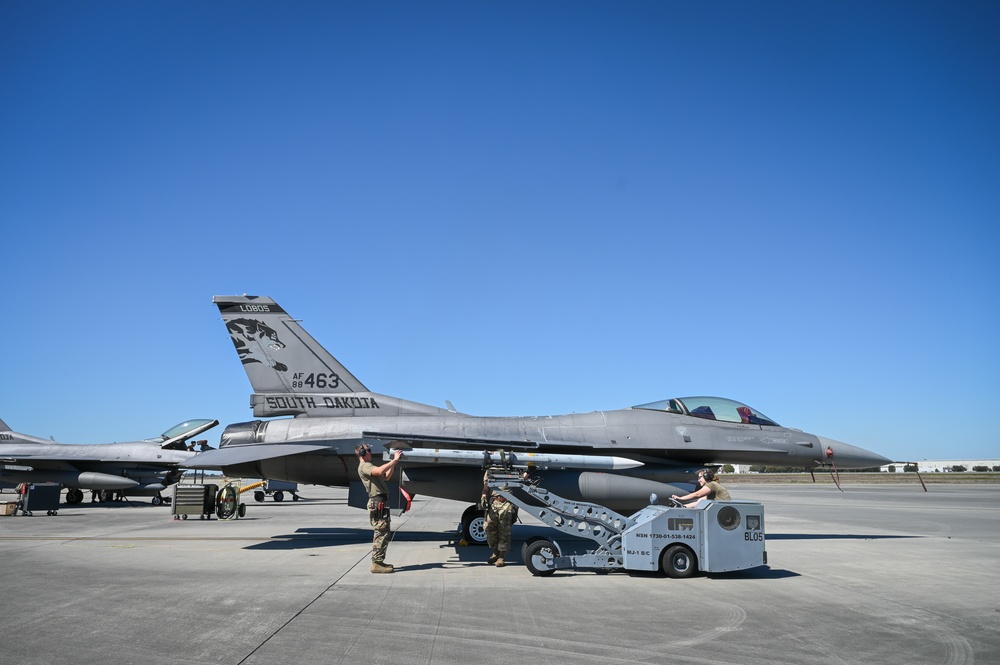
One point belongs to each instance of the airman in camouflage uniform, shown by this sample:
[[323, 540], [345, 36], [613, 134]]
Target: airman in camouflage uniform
[[499, 520], [374, 479]]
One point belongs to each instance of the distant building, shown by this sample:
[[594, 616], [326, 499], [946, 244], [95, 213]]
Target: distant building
[[942, 465]]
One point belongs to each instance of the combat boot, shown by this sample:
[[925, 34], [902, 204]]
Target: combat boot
[[500, 562], [493, 558], [379, 567]]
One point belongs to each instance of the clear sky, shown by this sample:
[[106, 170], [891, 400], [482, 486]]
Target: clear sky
[[523, 207]]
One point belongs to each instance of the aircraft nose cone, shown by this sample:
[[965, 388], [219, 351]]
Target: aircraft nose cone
[[846, 456]]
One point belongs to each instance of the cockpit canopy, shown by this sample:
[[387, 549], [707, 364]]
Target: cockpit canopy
[[174, 438], [710, 408]]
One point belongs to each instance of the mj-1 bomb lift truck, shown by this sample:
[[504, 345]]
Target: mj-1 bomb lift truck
[[717, 536]]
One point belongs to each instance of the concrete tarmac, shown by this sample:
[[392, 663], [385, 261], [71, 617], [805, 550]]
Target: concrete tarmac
[[877, 574]]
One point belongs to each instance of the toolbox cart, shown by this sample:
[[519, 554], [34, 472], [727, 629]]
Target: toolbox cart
[[193, 500], [717, 536]]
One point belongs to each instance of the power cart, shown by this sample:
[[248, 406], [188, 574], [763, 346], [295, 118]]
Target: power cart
[[276, 489], [41, 496], [715, 537]]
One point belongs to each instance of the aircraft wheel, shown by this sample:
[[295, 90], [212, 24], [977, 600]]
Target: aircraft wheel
[[295, 497], [243, 510], [258, 496], [474, 525], [157, 500], [678, 562], [538, 557], [74, 496], [184, 517]]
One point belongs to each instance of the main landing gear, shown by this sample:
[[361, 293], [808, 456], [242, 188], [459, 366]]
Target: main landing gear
[[474, 525]]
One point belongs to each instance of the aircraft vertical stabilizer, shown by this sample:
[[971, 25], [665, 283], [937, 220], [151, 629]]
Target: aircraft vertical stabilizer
[[269, 342]]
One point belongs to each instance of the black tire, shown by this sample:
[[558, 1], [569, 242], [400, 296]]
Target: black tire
[[295, 497], [279, 496], [539, 551], [678, 562], [157, 500], [258, 496], [243, 510], [474, 525], [73, 496], [527, 543]]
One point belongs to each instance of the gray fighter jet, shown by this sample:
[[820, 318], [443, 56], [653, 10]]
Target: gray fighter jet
[[137, 468], [667, 441]]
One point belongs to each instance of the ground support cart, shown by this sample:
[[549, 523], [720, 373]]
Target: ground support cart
[[193, 500], [41, 496], [227, 503], [718, 536], [277, 488]]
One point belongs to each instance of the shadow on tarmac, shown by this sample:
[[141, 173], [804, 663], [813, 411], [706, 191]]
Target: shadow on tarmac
[[307, 538]]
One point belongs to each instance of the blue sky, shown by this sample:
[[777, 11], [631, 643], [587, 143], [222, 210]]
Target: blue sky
[[524, 208]]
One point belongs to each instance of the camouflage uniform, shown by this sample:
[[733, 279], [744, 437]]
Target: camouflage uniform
[[378, 510], [499, 519]]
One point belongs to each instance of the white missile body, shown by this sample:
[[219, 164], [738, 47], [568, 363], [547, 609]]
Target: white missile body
[[547, 460]]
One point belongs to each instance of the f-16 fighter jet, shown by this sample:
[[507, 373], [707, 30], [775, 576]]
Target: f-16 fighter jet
[[138, 468], [613, 458]]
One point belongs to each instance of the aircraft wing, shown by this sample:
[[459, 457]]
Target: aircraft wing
[[466, 443], [212, 459]]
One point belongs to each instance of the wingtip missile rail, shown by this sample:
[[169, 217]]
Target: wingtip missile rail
[[547, 460]]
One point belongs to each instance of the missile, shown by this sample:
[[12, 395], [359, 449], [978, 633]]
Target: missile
[[548, 460]]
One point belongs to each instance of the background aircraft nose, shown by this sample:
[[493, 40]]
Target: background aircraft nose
[[846, 456]]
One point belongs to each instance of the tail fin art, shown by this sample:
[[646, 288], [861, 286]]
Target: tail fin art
[[291, 373], [279, 356]]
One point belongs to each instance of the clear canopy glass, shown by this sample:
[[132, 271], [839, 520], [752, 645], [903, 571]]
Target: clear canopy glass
[[183, 428], [711, 408]]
